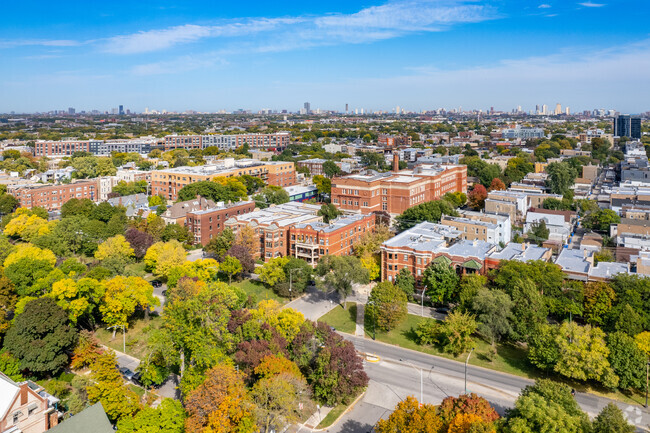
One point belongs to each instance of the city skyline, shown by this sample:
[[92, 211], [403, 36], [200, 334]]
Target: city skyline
[[415, 54]]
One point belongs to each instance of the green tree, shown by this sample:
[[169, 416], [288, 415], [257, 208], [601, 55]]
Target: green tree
[[8, 203], [328, 212], [340, 272], [387, 305], [175, 232], [546, 407], [430, 211], [456, 332], [231, 266], [41, 337], [599, 298], [406, 282], [538, 232], [272, 272], [493, 310], [277, 400], [115, 253], [470, 284], [600, 220], [584, 354], [220, 245], [10, 366], [440, 282], [168, 417], [108, 388], [323, 184], [529, 311], [561, 177], [611, 420], [331, 169], [271, 195], [627, 360], [215, 191], [26, 265]]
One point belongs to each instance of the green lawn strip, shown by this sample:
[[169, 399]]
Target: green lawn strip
[[332, 416], [343, 320], [137, 335], [258, 290], [510, 359], [138, 391]]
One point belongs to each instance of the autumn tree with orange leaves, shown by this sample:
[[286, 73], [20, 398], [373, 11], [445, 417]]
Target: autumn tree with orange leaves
[[220, 404]]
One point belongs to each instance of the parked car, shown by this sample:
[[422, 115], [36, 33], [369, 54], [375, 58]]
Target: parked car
[[126, 373], [156, 283], [137, 379]]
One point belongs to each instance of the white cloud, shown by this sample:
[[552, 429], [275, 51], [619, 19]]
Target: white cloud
[[544, 6], [577, 77], [390, 20], [179, 64], [592, 5], [39, 42]]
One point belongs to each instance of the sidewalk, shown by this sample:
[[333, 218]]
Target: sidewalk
[[360, 331]]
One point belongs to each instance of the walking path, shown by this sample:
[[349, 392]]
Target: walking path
[[360, 331]]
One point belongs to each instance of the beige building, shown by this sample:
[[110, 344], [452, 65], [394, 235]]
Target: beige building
[[25, 407]]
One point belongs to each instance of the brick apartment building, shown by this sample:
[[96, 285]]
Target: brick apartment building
[[315, 165], [395, 140], [310, 241], [170, 181], [209, 223], [276, 141], [397, 191], [59, 149], [426, 243], [272, 225], [52, 197]]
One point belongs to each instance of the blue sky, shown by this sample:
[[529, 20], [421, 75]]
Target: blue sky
[[209, 55]]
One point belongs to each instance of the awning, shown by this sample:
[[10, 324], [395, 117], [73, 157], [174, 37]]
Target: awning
[[472, 264], [442, 259]]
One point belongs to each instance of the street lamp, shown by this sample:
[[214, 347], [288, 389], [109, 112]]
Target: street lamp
[[422, 296], [647, 373], [373, 318], [291, 280], [421, 382], [466, 362]]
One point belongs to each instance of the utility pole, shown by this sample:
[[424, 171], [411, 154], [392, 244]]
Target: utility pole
[[421, 381]]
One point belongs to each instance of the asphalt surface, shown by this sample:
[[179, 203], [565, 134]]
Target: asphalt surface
[[400, 372]]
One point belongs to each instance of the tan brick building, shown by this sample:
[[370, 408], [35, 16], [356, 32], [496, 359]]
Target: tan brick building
[[170, 181], [397, 191], [52, 197], [23, 408], [310, 241]]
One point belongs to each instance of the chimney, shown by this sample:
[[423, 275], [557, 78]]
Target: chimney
[[395, 162]]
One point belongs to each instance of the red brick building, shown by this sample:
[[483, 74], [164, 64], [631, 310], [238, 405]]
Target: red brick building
[[395, 192], [52, 197], [310, 241], [272, 226], [207, 224]]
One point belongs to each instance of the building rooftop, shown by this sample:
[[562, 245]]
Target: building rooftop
[[334, 225], [298, 189], [220, 166], [574, 260], [520, 252], [220, 206], [92, 419], [425, 236], [282, 215]]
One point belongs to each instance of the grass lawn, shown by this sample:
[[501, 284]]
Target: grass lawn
[[342, 320], [332, 416], [258, 290], [137, 335], [509, 359], [136, 269]]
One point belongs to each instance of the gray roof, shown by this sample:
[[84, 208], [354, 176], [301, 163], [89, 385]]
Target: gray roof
[[608, 269], [515, 251], [425, 236], [573, 261], [466, 248], [92, 419], [334, 225]]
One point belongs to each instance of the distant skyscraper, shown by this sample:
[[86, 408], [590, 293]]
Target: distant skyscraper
[[558, 109], [121, 110], [346, 108], [567, 111], [544, 109], [307, 108], [71, 110], [537, 109], [627, 126], [398, 111]]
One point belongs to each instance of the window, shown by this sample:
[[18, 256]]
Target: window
[[406, 257]]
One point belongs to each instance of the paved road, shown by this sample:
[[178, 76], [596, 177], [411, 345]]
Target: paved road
[[314, 303], [397, 375]]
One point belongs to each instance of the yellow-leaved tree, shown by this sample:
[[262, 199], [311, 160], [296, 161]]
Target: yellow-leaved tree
[[161, 257], [27, 227], [121, 298]]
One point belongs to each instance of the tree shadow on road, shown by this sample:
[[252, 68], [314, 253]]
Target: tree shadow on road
[[352, 426]]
